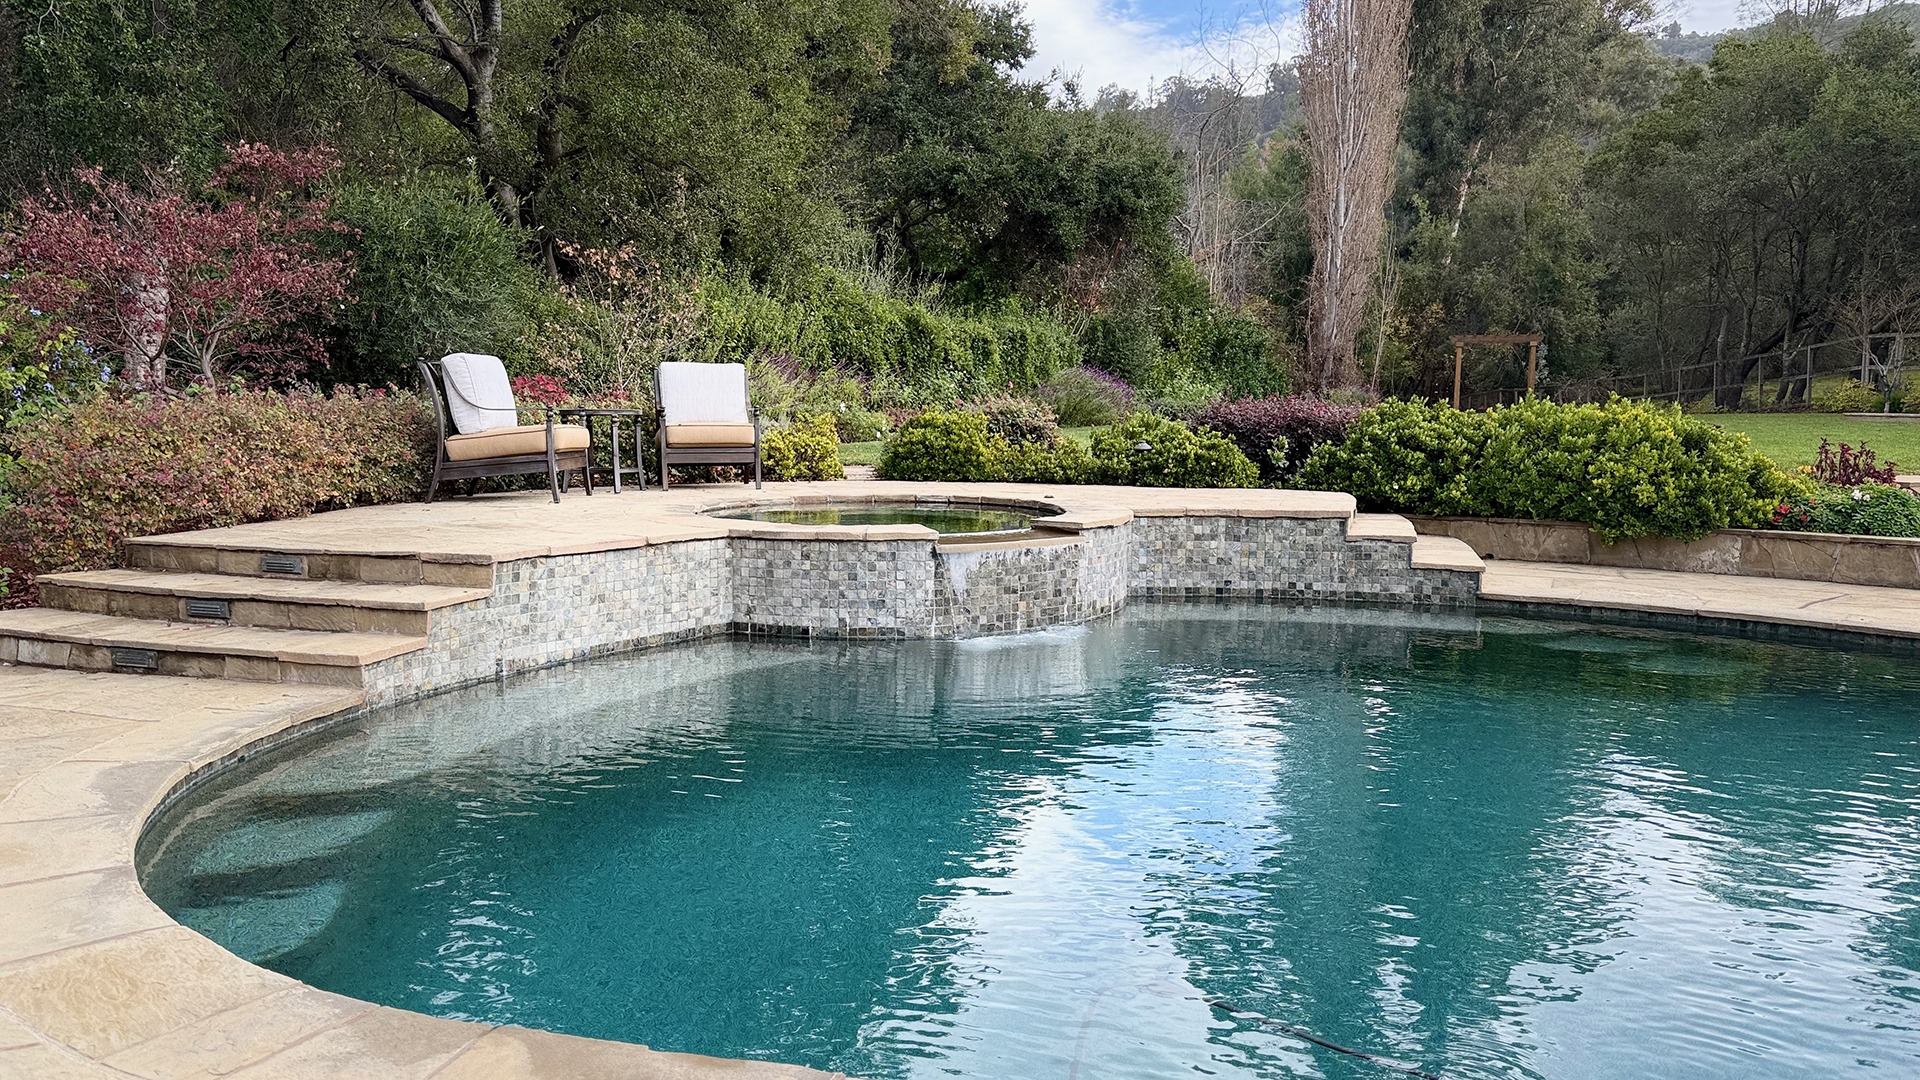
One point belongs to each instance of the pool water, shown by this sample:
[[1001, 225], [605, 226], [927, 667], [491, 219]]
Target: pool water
[[1161, 846], [942, 519]]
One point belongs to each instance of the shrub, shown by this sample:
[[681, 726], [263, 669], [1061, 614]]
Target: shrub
[[436, 271], [1175, 455], [1278, 433], [112, 468], [1862, 509], [855, 424], [1126, 344], [1233, 350], [899, 343], [1017, 420], [1848, 466], [1623, 468], [1054, 461], [960, 446], [941, 446], [803, 450], [1086, 397], [1850, 396]]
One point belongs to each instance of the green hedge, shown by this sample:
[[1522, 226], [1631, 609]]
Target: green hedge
[[1624, 468]]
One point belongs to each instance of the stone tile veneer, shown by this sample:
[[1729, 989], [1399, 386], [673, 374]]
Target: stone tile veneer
[[553, 609], [833, 588], [556, 608], [1191, 557]]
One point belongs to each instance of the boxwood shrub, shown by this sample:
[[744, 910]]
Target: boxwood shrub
[[803, 450], [1145, 450], [1624, 468]]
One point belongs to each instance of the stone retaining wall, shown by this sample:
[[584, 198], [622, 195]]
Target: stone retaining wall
[[1852, 560]]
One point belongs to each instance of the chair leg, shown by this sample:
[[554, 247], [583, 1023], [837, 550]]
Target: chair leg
[[664, 484], [586, 474], [433, 486], [756, 465]]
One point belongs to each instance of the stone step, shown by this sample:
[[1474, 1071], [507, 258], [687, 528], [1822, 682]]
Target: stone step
[[1390, 527], [275, 603], [1445, 553], [86, 642], [170, 553]]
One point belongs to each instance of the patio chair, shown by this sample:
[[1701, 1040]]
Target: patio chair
[[705, 417], [471, 392]]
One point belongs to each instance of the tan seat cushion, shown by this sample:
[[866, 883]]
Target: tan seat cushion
[[682, 435], [515, 441]]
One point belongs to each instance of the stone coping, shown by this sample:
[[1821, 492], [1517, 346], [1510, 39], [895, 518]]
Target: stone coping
[[510, 528], [1723, 598]]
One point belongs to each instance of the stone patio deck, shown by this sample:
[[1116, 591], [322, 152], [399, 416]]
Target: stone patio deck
[[96, 981]]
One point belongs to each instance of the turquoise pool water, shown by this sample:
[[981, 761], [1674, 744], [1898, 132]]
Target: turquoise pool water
[[1486, 848], [941, 518]]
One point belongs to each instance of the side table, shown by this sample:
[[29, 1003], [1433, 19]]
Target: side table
[[614, 418]]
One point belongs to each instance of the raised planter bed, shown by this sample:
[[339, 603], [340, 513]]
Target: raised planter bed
[[1852, 560]]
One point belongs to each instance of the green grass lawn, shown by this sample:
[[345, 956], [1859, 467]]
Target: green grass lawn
[[1791, 438], [868, 453]]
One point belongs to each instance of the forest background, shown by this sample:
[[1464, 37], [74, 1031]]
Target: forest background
[[882, 190]]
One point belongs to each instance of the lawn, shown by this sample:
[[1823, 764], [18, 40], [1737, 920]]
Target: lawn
[[868, 453], [1791, 438]]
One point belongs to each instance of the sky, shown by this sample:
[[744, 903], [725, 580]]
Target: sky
[[1134, 43]]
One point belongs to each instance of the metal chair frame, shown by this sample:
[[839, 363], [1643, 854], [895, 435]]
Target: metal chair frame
[[555, 463]]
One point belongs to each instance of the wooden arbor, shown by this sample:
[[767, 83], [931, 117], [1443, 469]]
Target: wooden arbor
[[1461, 341]]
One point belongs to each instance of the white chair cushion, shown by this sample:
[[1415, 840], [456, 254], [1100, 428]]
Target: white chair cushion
[[479, 395], [704, 393]]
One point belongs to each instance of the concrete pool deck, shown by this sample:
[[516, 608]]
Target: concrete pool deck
[[96, 981]]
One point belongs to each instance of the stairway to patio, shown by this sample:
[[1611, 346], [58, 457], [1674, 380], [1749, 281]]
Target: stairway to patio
[[175, 613]]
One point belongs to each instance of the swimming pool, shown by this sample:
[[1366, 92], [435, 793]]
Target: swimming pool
[[1169, 843]]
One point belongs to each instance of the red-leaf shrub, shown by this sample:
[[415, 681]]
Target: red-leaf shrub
[[1850, 467], [162, 272], [540, 390], [1278, 433], [119, 467]]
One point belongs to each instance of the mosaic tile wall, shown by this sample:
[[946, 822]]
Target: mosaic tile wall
[[1009, 590], [833, 588], [1282, 558], [548, 611]]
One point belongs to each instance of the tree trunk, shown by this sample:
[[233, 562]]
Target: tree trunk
[[145, 358], [1353, 85]]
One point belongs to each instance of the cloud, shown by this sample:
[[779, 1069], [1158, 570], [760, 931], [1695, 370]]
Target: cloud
[[1109, 43]]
